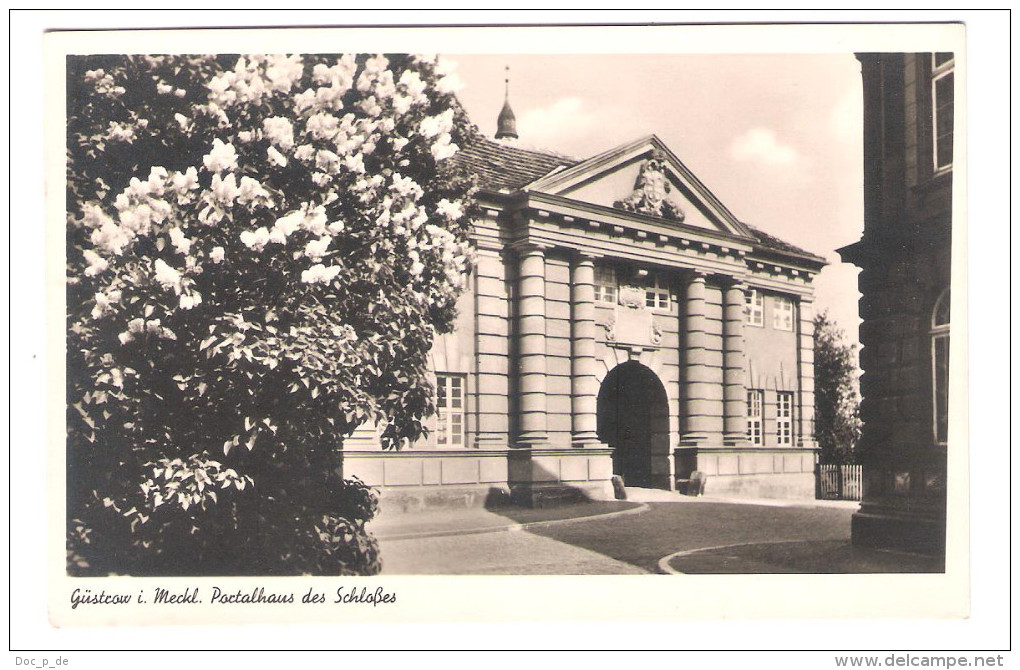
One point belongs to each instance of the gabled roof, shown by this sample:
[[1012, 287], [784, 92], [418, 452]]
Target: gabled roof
[[504, 168]]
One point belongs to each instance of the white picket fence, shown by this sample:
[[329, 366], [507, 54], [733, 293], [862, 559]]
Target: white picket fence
[[840, 482]]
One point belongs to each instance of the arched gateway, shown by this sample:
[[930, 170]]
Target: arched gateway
[[633, 418]]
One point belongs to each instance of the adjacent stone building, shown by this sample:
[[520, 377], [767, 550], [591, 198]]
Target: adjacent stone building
[[620, 319], [904, 255]]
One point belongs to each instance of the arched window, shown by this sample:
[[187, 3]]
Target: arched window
[[940, 368]]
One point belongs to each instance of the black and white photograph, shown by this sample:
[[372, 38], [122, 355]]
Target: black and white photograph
[[356, 317], [327, 315]]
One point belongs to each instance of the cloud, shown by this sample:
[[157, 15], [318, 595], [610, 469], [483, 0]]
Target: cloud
[[762, 145], [558, 124]]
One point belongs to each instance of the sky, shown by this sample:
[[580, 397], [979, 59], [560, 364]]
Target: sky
[[777, 138]]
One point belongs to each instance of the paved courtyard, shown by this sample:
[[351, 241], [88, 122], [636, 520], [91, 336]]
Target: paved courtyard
[[662, 534]]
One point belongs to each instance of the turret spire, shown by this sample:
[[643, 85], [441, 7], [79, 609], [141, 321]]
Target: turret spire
[[506, 125]]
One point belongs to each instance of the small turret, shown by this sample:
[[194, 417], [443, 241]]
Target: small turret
[[506, 125]]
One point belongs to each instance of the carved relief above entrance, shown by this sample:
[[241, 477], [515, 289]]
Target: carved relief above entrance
[[631, 327]]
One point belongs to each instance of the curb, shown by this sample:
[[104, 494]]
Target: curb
[[667, 569], [512, 527]]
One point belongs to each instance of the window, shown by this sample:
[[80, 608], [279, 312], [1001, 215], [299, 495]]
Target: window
[[940, 368], [450, 410], [942, 110], [754, 308], [605, 285], [657, 292], [782, 314], [755, 405], [784, 418]]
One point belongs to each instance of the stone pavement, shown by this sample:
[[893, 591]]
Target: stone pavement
[[471, 521], [651, 532]]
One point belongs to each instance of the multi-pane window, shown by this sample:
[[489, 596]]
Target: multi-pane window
[[755, 413], [782, 314], [754, 308], [657, 292], [605, 285], [450, 410], [942, 110], [784, 418], [940, 368]]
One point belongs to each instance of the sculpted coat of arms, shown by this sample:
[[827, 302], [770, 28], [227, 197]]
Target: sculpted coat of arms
[[651, 191]]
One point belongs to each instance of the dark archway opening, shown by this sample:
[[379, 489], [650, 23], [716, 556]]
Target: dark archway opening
[[633, 418]]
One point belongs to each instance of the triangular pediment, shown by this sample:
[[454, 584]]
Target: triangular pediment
[[644, 178]]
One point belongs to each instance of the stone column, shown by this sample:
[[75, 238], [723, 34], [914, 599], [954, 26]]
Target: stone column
[[696, 380], [806, 373], [584, 387], [734, 383], [531, 347], [492, 352]]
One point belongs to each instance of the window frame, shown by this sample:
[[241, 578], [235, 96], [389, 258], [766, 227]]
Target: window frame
[[447, 416], [657, 289], [606, 293], [756, 419], [940, 71], [754, 313], [939, 332], [784, 418], [778, 301]]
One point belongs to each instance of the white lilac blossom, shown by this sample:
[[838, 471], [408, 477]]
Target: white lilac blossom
[[322, 126], [121, 132], [167, 276], [104, 303], [431, 126], [217, 254], [315, 220], [407, 187], [251, 190], [316, 249], [289, 223], [185, 181], [355, 163], [443, 148], [451, 210], [305, 152], [222, 157], [111, 238], [97, 264], [181, 243], [276, 157], [104, 83], [256, 239], [319, 273], [283, 72], [224, 190], [190, 301], [449, 81], [279, 131]]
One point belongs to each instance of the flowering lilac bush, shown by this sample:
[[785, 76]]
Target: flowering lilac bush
[[261, 250]]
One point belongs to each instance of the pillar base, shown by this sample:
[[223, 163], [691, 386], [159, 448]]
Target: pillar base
[[736, 440], [484, 443], [586, 439], [693, 439], [885, 528], [532, 441]]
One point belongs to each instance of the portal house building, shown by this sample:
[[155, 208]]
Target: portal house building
[[619, 319]]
